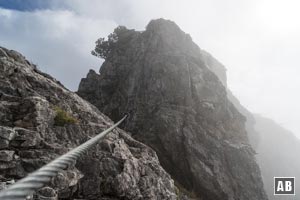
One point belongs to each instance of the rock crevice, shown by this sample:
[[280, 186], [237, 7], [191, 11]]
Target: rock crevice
[[119, 167]]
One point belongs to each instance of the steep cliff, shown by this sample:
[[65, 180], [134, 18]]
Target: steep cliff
[[277, 154], [276, 148], [179, 107], [40, 120]]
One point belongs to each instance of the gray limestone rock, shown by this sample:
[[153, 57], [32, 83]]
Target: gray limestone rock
[[178, 106], [117, 168], [6, 156]]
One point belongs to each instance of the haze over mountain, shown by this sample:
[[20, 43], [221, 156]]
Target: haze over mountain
[[177, 106], [177, 101], [256, 40], [182, 102], [138, 77], [276, 148], [278, 154]]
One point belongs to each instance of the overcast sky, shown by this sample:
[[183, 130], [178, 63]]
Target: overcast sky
[[257, 40]]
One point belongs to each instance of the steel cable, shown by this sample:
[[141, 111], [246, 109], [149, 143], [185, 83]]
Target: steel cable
[[25, 187]]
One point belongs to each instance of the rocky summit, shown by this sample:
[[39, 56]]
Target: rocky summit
[[176, 101], [40, 120]]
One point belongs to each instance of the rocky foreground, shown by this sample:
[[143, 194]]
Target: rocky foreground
[[40, 120]]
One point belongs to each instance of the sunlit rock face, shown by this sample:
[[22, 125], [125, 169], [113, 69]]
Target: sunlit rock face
[[179, 107], [119, 167]]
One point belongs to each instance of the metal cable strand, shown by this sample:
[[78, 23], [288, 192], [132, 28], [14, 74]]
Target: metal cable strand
[[26, 186]]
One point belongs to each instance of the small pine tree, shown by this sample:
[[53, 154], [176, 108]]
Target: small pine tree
[[104, 47]]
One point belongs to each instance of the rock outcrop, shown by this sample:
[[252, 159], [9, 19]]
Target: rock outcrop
[[179, 107], [118, 168]]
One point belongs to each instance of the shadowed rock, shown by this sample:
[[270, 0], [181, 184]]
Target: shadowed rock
[[179, 107]]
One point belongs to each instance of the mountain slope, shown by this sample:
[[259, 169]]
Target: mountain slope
[[179, 107], [277, 154], [32, 134], [276, 148]]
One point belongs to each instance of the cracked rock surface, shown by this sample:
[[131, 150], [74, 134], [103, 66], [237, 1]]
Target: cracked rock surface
[[179, 107], [119, 167]]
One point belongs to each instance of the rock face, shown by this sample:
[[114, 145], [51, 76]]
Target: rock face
[[179, 107], [277, 154], [275, 146], [118, 168], [275, 149]]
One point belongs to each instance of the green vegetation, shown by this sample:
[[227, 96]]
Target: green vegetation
[[62, 117], [104, 47]]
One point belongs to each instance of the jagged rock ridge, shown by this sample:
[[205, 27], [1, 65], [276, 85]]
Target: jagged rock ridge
[[118, 168], [178, 106]]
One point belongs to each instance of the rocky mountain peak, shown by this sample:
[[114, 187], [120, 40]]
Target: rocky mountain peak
[[164, 27], [162, 24], [178, 106], [166, 34], [170, 33]]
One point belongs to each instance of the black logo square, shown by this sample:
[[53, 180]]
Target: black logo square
[[284, 185]]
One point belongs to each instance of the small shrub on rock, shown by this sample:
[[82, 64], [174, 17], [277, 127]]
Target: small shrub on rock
[[62, 118]]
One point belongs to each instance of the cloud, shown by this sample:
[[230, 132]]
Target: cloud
[[256, 40], [58, 41]]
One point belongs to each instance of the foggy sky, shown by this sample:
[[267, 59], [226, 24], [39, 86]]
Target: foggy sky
[[257, 40]]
